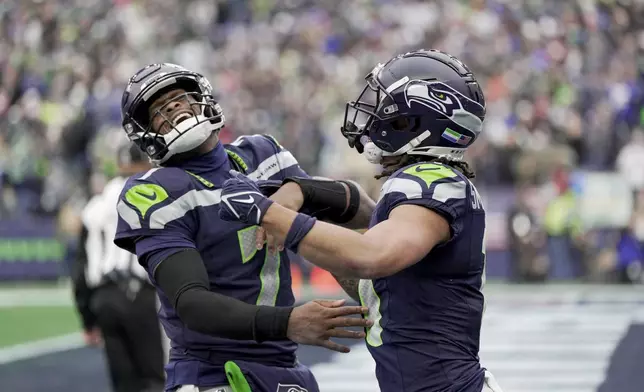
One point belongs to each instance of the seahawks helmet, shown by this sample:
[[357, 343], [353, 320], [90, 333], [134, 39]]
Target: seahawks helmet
[[186, 130], [419, 103]]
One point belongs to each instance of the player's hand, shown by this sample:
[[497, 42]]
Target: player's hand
[[315, 322], [92, 337], [272, 243], [241, 200], [290, 196]]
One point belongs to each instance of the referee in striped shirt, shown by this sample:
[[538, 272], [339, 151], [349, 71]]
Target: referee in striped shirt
[[115, 300]]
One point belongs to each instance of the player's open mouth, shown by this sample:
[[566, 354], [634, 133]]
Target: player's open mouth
[[181, 117]]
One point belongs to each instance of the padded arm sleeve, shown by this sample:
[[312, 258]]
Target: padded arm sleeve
[[334, 201], [184, 280]]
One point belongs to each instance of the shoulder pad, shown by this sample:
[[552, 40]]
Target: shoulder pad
[[173, 180], [146, 192], [273, 140], [427, 180], [249, 151], [256, 139], [263, 157], [428, 172]]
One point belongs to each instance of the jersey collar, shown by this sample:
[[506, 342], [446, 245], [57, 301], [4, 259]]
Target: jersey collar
[[216, 159]]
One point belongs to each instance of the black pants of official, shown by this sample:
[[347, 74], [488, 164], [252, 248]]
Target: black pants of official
[[132, 338]]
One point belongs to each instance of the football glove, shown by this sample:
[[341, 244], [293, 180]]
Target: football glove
[[242, 200]]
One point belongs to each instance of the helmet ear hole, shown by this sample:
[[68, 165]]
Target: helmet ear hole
[[405, 124], [400, 124]]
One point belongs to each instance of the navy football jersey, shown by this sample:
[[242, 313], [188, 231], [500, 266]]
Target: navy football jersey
[[427, 318], [171, 208]]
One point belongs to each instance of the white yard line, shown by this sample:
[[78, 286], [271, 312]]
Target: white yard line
[[17, 297], [40, 347], [550, 294]]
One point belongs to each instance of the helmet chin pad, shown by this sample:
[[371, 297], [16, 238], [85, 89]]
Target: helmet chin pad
[[372, 152], [188, 135]]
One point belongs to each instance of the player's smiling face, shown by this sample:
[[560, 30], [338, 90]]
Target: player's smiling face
[[171, 109]]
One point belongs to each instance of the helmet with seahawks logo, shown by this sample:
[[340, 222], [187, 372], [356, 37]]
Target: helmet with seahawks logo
[[186, 130], [424, 102]]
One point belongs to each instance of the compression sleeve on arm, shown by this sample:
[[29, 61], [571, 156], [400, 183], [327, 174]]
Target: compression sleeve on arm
[[335, 201], [184, 280]]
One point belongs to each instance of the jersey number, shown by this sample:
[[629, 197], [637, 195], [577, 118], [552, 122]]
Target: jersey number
[[269, 276]]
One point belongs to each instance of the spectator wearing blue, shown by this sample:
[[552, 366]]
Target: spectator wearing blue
[[630, 253]]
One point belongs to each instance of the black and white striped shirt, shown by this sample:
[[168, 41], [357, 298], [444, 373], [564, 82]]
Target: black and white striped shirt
[[103, 257], [98, 260]]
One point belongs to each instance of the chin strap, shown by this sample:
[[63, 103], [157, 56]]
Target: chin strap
[[374, 153]]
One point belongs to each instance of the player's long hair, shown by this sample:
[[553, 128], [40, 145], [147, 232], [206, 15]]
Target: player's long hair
[[407, 159]]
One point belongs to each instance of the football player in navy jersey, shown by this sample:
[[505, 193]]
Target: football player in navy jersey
[[420, 268], [226, 302]]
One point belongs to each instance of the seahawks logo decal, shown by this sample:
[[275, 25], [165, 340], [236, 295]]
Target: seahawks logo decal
[[445, 100], [290, 388]]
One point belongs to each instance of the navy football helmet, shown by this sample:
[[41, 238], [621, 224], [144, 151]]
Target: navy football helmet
[[419, 103], [184, 130]]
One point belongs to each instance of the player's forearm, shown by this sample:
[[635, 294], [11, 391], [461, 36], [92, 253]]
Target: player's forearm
[[82, 298], [183, 279], [340, 251], [350, 286], [343, 202], [201, 310], [82, 292]]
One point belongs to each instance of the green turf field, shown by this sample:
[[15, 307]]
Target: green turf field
[[28, 323], [31, 312]]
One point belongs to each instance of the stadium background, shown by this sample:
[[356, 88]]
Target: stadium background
[[560, 164]]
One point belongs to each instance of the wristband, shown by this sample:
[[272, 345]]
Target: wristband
[[299, 229]]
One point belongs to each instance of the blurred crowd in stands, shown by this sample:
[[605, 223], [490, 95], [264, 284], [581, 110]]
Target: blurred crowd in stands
[[564, 83]]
